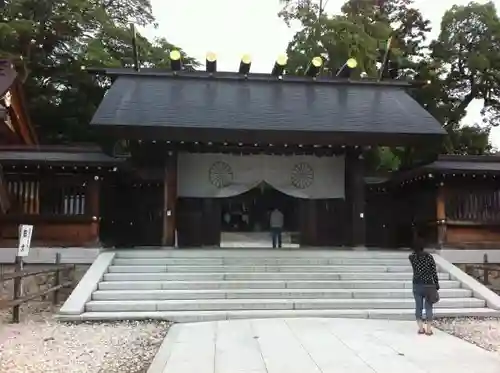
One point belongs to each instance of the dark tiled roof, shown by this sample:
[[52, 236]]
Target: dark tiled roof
[[464, 163], [262, 77], [204, 103], [452, 164]]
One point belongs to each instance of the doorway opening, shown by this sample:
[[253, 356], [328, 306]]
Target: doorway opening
[[245, 218]]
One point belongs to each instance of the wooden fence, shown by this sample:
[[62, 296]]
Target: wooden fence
[[487, 273], [18, 298]]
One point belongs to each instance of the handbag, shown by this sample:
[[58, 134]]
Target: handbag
[[431, 294]]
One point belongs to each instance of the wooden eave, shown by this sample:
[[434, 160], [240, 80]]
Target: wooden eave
[[59, 156], [218, 135], [18, 111]]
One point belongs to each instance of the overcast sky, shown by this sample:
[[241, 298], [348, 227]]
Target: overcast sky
[[231, 28]]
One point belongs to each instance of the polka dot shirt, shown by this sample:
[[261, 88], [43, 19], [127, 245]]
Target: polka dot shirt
[[424, 269]]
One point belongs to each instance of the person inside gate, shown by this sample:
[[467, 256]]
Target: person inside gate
[[276, 223], [425, 286]]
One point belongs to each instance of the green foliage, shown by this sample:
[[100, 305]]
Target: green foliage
[[472, 140], [462, 64], [335, 38], [52, 42], [383, 159], [467, 53]]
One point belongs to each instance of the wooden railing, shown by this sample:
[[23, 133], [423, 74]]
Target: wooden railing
[[19, 274]]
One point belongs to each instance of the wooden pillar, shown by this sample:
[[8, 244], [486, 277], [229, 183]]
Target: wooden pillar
[[48, 191], [355, 197], [308, 226], [312, 218], [169, 200], [92, 204], [211, 221], [441, 215]]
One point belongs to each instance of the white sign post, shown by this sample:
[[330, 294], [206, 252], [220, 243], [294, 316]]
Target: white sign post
[[25, 233]]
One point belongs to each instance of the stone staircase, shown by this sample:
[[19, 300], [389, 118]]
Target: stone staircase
[[202, 285]]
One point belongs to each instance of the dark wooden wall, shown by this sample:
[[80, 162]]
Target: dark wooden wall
[[445, 211], [380, 220], [198, 222], [396, 213], [323, 222], [131, 213]]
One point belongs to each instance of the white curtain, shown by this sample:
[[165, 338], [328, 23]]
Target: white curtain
[[225, 175]]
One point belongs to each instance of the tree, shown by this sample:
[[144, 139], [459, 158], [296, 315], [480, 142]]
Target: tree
[[360, 31], [462, 64], [468, 51], [52, 41], [407, 26], [333, 37]]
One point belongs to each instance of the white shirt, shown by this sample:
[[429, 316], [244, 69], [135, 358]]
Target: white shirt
[[276, 219]]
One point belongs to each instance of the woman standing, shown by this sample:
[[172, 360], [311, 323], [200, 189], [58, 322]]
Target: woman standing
[[425, 286]]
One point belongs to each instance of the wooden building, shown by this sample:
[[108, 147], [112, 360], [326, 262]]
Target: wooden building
[[453, 202], [54, 188], [205, 153], [197, 155], [15, 126]]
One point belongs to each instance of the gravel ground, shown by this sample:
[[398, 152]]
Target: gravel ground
[[40, 344], [482, 332]]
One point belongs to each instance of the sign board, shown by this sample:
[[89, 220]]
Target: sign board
[[25, 232]]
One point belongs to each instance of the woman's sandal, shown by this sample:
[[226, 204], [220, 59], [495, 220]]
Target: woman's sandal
[[429, 332], [421, 331]]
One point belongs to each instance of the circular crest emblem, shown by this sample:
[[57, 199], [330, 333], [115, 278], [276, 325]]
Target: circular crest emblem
[[302, 175], [220, 174]]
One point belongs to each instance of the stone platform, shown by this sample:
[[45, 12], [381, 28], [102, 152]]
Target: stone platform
[[207, 285], [316, 346]]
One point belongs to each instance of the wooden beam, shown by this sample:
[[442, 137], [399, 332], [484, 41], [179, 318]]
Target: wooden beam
[[355, 196], [441, 215], [4, 194], [92, 203], [308, 222], [169, 200]]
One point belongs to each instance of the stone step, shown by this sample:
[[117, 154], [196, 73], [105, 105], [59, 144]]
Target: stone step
[[269, 294], [199, 316], [259, 261], [270, 304], [193, 285], [260, 253], [260, 276], [248, 269]]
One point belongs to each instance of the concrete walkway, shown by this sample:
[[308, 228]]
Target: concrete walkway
[[316, 346]]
